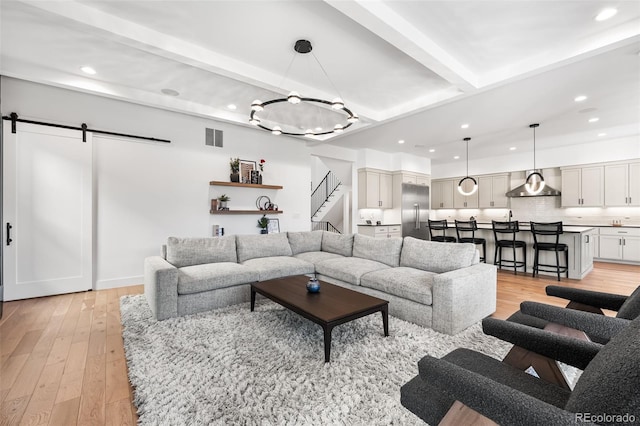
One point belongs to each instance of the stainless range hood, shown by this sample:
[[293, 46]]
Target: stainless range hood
[[520, 191]]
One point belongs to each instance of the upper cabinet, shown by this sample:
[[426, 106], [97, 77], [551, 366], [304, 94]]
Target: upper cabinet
[[492, 190], [415, 178], [442, 194], [622, 184], [375, 189], [464, 201], [583, 186]]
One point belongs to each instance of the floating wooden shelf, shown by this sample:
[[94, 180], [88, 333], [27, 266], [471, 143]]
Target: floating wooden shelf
[[245, 211], [244, 185]]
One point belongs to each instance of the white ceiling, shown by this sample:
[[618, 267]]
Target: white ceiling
[[412, 70]]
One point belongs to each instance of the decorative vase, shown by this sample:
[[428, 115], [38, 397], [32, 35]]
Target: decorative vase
[[263, 231], [223, 205], [313, 286], [260, 179], [235, 177]]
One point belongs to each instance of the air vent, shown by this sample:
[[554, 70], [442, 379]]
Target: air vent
[[213, 137]]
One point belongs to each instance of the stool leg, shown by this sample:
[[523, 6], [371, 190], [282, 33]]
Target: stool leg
[[566, 260], [535, 261], [515, 270], [558, 264], [495, 255], [524, 252], [484, 252]]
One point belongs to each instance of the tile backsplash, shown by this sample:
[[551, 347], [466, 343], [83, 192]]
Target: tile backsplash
[[547, 209]]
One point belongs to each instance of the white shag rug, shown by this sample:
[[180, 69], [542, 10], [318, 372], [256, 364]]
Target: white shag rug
[[236, 367]]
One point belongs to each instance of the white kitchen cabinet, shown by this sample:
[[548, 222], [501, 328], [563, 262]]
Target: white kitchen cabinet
[[415, 178], [619, 243], [587, 252], [583, 187], [492, 190], [375, 189], [380, 231], [442, 194], [464, 201], [622, 184]]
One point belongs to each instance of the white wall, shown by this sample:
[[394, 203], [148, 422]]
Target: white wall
[[146, 191]]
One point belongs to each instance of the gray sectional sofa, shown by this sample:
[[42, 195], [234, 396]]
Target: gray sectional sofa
[[437, 285]]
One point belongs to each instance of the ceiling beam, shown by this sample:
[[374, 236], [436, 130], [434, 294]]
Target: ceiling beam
[[385, 23]]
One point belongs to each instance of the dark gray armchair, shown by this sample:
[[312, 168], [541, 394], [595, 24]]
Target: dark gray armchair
[[580, 302], [606, 393]]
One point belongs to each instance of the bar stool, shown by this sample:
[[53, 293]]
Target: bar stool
[[549, 230], [471, 226], [440, 225], [507, 232]]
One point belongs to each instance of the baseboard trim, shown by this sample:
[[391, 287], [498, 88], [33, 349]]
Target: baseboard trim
[[119, 282]]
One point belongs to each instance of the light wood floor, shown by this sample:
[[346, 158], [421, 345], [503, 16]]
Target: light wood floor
[[62, 358]]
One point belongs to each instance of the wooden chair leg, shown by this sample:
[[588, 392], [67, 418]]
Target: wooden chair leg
[[546, 368], [460, 414]]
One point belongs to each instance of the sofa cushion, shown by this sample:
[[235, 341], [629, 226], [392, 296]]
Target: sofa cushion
[[383, 250], [302, 242], [197, 251], [337, 243], [434, 256], [316, 257], [263, 245], [408, 283], [348, 269], [269, 268], [213, 276]]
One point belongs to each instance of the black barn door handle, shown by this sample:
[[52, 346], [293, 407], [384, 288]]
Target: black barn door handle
[[9, 233]]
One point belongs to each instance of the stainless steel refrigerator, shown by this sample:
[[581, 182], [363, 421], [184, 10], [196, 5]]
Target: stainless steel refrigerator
[[415, 211]]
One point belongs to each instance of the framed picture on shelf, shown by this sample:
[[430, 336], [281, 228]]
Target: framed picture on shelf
[[273, 227], [246, 167]]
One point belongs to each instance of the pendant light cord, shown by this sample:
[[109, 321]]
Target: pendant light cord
[[534, 148], [467, 158]]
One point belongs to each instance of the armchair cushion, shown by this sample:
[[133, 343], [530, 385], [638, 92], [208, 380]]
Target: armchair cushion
[[587, 297], [630, 309]]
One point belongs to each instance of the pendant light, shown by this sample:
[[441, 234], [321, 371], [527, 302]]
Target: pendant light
[[535, 182], [467, 177]]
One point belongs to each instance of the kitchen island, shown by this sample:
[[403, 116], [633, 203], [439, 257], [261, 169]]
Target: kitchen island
[[579, 239]]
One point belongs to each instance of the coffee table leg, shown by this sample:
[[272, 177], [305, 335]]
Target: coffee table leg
[[253, 299], [385, 319], [327, 342]]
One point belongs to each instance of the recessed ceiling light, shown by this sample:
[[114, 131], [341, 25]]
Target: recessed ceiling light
[[513, 148], [602, 134], [464, 126], [170, 92], [593, 119], [606, 14], [401, 141], [88, 70], [318, 129], [580, 98], [432, 150], [232, 107], [456, 157]]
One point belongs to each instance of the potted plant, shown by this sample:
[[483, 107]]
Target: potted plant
[[234, 164], [263, 222], [223, 201]]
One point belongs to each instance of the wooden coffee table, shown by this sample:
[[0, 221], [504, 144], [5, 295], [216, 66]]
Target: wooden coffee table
[[333, 305]]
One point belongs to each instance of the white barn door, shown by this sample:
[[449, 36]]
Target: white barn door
[[47, 208]]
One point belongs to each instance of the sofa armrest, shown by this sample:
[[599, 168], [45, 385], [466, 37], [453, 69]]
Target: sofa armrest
[[463, 297], [161, 287]]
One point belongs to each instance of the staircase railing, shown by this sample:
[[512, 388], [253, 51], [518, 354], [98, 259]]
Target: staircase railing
[[323, 191], [324, 226]]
